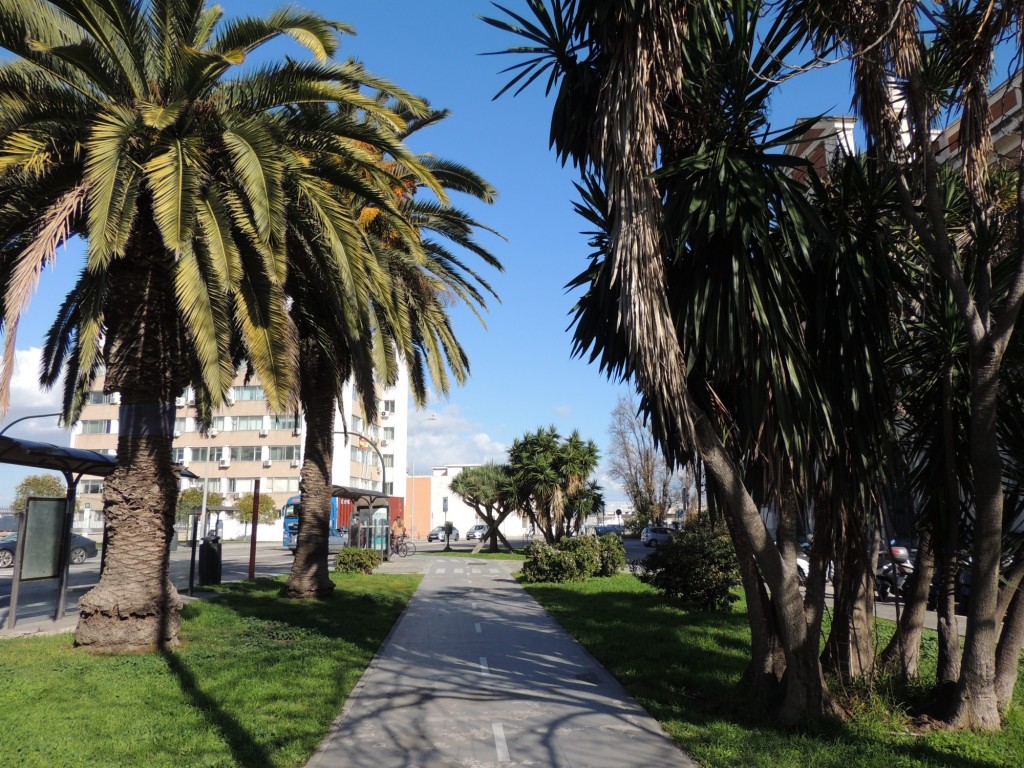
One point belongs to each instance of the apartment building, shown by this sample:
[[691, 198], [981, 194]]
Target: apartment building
[[248, 443]]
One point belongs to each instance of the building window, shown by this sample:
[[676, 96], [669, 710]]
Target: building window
[[357, 454], [389, 489], [240, 484], [284, 422], [282, 484], [249, 393], [179, 425], [90, 486], [389, 460], [284, 452], [97, 397], [387, 406], [246, 453], [357, 423], [218, 423], [389, 433], [200, 454], [96, 427], [246, 422], [177, 455]]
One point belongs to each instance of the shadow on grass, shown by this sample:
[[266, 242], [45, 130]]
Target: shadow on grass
[[246, 750], [685, 667]]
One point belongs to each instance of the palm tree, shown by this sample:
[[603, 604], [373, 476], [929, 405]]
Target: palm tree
[[128, 124], [394, 298], [551, 480]]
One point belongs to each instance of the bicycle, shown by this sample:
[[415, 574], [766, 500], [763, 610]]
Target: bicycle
[[403, 547]]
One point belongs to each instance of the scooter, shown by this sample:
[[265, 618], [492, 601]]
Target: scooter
[[894, 568]]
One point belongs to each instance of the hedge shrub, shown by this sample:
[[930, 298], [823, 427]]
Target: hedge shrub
[[613, 555], [574, 559], [357, 560], [698, 566]]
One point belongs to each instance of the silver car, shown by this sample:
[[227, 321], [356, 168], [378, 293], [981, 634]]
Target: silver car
[[653, 535]]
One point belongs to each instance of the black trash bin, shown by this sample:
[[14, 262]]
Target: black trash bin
[[209, 561]]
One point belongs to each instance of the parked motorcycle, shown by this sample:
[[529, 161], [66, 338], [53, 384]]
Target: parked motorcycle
[[894, 570]]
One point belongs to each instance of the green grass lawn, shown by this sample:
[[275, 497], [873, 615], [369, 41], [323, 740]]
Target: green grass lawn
[[256, 682], [684, 666]]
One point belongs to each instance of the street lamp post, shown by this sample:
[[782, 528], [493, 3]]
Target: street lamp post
[[412, 463]]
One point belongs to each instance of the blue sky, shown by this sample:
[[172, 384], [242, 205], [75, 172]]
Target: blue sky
[[523, 375]]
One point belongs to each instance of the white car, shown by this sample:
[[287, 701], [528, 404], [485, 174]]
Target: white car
[[477, 531], [653, 535]]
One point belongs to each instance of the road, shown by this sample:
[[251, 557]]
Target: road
[[37, 599]]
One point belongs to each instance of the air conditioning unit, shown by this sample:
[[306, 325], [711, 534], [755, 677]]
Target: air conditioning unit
[[185, 464], [296, 432], [179, 401], [263, 433], [296, 463], [383, 443], [213, 433], [224, 463], [177, 433], [268, 463], [230, 398], [385, 415]]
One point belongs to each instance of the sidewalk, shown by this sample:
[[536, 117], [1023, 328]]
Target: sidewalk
[[475, 673]]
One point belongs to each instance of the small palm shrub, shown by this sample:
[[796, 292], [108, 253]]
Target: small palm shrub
[[697, 566], [357, 560]]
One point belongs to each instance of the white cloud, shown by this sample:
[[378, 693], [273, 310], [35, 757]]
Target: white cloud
[[28, 398], [563, 410], [452, 439]]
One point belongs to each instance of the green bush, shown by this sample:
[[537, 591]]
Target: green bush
[[698, 566], [357, 560], [574, 559], [613, 555], [586, 551], [545, 563]]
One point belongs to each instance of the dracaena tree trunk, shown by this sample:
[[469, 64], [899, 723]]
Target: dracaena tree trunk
[[134, 606], [310, 574], [903, 653]]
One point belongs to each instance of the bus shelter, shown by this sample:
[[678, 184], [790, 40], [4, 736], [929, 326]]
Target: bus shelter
[[370, 521], [44, 530]]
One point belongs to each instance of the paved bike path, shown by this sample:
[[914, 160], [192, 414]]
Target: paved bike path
[[476, 673]]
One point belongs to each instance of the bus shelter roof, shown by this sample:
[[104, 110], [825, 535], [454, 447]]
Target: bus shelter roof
[[74, 461], [356, 494]]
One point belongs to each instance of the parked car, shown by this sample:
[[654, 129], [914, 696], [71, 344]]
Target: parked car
[[653, 535], [437, 534], [478, 531], [82, 548], [602, 530], [336, 541]]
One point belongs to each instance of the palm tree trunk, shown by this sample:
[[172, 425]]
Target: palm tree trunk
[[310, 574], [134, 606]]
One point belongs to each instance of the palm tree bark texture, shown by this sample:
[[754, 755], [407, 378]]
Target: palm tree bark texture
[[310, 573], [135, 606]]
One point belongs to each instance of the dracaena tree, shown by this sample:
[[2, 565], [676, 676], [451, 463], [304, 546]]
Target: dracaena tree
[[132, 125]]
